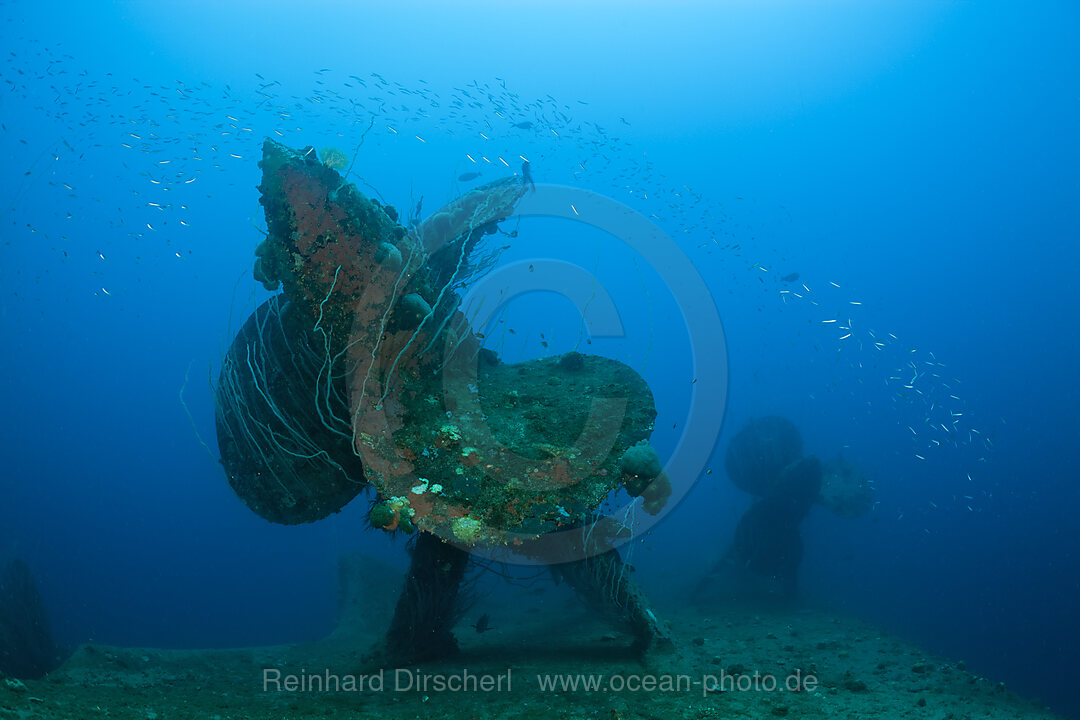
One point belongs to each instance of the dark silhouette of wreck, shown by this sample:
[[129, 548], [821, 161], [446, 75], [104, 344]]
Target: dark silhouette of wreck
[[27, 649]]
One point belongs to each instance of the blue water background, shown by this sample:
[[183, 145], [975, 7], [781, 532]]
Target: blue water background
[[922, 156]]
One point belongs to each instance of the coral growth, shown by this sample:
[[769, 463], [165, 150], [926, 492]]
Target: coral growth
[[517, 450], [334, 158]]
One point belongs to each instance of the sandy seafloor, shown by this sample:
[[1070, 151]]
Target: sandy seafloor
[[861, 671]]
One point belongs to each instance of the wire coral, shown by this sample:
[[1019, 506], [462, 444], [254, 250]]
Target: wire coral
[[281, 424]]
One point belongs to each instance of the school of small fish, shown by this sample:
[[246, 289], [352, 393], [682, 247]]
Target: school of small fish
[[174, 144]]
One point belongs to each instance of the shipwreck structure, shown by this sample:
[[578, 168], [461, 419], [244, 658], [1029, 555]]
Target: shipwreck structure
[[363, 371]]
